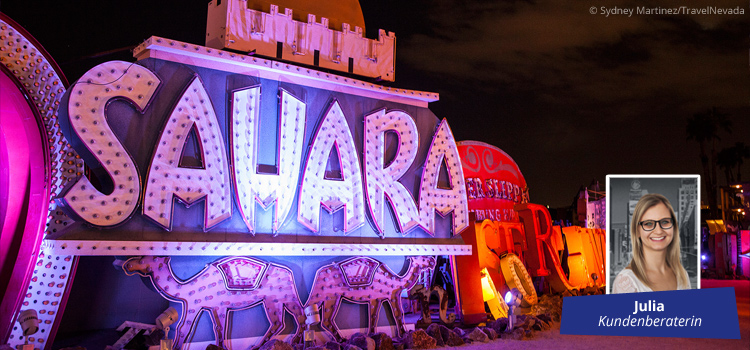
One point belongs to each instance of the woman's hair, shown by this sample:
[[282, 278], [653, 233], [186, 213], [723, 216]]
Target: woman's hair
[[638, 264]]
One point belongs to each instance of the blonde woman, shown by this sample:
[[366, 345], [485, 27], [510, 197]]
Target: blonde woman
[[655, 237]]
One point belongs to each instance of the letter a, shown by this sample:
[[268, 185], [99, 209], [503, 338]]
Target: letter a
[[433, 199], [166, 179], [333, 194]]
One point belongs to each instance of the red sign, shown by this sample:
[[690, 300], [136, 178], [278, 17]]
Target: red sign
[[494, 183]]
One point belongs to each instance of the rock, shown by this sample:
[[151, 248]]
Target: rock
[[544, 317], [362, 341], [370, 343], [532, 323], [316, 348], [528, 323], [557, 316], [460, 332], [450, 338], [402, 340], [433, 330], [491, 333], [549, 305], [346, 346], [454, 340], [541, 324], [516, 334], [358, 334], [477, 335], [592, 290], [275, 344], [499, 325], [332, 345], [419, 339], [382, 341], [211, 346]]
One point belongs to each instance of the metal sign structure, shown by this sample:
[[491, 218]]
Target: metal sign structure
[[313, 155], [494, 182], [197, 151]]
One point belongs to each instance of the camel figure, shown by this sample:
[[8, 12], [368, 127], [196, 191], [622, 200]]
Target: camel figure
[[226, 285], [363, 280]]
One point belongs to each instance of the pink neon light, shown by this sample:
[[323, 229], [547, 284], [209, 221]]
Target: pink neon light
[[23, 197]]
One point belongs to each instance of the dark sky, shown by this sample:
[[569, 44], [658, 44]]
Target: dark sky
[[570, 95]]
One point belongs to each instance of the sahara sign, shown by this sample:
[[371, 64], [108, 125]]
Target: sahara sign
[[322, 153]]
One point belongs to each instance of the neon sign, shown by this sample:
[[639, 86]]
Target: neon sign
[[167, 180], [494, 183], [265, 188], [86, 108], [333, 194], [301, 161]]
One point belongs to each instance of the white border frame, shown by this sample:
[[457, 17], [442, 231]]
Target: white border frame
[[206, 57], [654, 176]]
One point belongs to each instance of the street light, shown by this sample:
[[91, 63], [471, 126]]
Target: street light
[[512, 299], [312, 317], [29, 325], [167, 318]]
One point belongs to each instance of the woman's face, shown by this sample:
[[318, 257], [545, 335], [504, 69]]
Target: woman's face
[[658, 239]]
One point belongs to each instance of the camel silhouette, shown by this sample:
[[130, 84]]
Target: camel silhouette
[[363, 280], [229, 284]]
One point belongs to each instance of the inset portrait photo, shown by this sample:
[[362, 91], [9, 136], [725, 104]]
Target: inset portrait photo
[[653, 240]]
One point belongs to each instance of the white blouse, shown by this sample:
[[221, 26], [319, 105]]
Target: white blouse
[[626, 282]]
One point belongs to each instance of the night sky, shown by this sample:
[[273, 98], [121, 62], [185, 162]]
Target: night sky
[[570, 95]]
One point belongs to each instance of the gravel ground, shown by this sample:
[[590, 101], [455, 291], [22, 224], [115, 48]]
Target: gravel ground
[[552, 339]]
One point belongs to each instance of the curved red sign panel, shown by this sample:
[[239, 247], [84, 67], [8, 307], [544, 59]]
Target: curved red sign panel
[[494, 183]]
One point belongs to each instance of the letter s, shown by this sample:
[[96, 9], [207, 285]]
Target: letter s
[[86, 111]]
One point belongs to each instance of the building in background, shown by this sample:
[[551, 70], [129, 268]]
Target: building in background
[[726, 241], [590, 206]]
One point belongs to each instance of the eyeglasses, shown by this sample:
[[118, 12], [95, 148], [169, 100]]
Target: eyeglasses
[[650, 225]]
